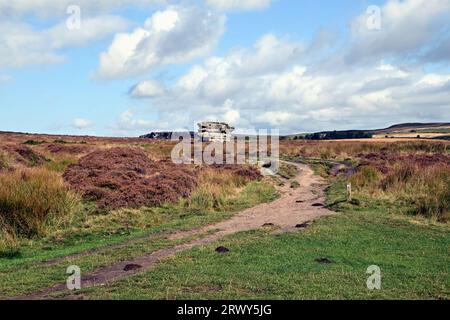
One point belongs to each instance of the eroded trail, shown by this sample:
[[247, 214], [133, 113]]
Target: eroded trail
[[294, 208]]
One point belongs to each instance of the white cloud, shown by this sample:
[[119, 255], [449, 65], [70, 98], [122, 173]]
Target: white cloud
[[80, 123], [23, 45], [275, 84], [239, 4], [147, 89], [172, 36], [407, 28]]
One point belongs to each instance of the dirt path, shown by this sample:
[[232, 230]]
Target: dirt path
[[294, 209]]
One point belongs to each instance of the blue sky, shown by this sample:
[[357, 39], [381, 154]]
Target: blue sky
[[286, 64]]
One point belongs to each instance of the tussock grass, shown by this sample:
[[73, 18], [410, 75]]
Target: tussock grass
[[420, 190], [214, 191], [427, 189], [32, 201], [4, 161], [287, 171], [366, 177]]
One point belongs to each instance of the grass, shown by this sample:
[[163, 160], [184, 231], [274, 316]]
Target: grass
[[4, 161], [214, 191], [31, 277], [332, 150], [420, 190], [95, 230], [33, 200], [60, 162], [372, 229], [417, 188], [411, 254], [33, 142], [287, 171]]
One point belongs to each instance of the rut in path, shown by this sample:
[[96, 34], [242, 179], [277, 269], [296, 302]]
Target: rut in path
[[294, 207]]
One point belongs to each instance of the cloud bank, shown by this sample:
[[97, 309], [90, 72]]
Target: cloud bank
[[374, 77]]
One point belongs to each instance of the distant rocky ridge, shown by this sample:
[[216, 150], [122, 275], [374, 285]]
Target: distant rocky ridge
[[343, 134], [164, 135]]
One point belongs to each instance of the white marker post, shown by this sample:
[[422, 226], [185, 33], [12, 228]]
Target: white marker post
[[349, 192]]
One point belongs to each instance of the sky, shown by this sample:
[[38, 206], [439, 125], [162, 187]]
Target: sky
[[129, 67]]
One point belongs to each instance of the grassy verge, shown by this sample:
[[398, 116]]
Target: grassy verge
[[412, 255]]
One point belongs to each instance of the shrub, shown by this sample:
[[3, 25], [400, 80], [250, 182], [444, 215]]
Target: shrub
[[32, 200], [33, 142], [128, 178]]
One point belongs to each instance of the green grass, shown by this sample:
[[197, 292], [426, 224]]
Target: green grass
[[32, 202], [412, 254], [99, 230], [33, 142], [59, 165], [287, 171], [32, 277]]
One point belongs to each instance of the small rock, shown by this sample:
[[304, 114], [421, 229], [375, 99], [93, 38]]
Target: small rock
[[302, 225], [132, 267], [323, 261], [268, 225], [300, 201], [267, 165], [318, 205], [222, 250]]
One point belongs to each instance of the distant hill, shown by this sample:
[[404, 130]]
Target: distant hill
[[403, 130], [418, 125], [405, 127]]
